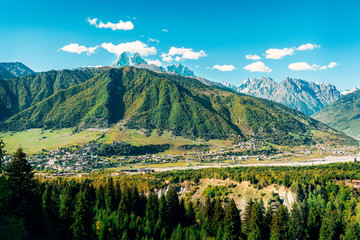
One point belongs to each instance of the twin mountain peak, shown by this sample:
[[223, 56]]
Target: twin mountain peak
[[135, 60]]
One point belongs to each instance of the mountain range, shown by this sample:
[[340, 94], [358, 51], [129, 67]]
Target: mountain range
[[307, 97], [345, 92], [140, 98], [135, 60], [344, 114], [13, 69]]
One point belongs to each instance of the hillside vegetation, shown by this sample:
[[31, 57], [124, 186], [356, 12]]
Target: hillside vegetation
[[343, 115], [144, 99]]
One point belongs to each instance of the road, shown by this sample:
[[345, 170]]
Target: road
[[325, 160]]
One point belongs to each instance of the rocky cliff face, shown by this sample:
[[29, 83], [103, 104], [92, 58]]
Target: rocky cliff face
[[307, 97], [180, 70], [16, 69], [125, 59]]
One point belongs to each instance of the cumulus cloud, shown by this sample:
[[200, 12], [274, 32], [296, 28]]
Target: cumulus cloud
[[76, 48], [224, 68], [332, 65], [304, 66], [182, 53], [307, 46], [155, 62], [131, 47], [252, 57], [114, 26], [274, 53], [165, 30], [257, 67]]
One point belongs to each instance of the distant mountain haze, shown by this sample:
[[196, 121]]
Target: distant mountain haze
[[307, 97], [16, 69]]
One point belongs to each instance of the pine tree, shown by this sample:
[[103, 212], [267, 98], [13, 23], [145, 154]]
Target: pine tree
[[117, 194], [314, 223], [256, 223], [280, 224], [208, 210], [297, 227], [66, 209], [135, 201], [11, 227], [23, 187], [247, 216], [232, 221], [100, 198], [152, 210], [267, 222], [331, 226], [110, 195], [172, 208], [182, 212], [82, 217], [2, 153], [218, 213], [190, 214]]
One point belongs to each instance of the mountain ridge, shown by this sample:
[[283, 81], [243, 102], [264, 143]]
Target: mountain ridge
[[142, 98], [17, 69], [343, 114], [135, 60], [307, 97]]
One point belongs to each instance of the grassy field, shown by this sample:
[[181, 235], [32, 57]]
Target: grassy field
[[34, 140], [137, 138]]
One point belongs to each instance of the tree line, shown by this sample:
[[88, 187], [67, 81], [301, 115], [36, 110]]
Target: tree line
[[112, 208]]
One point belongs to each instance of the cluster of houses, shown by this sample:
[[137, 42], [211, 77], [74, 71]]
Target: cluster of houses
[[70, 160]]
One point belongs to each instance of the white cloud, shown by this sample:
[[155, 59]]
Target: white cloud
[[197, 66], [155, 62], [332, 65], [224, 68], [257, 67], [153, 40], [166, 58], [131, 47], [307, 46], [303, 66], [274, 53], [97, 66], [253, 57], [76, 48], [165, 30], [182, 53], [323, 68], [114, 26]]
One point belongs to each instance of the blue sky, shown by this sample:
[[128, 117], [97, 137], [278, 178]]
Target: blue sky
[[202, 34]]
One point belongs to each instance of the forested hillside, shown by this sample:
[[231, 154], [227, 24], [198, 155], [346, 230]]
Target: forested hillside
[[343, 115], [326, 205], [144, 99]]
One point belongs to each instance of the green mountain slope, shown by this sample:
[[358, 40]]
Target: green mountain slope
[[343, 115], [4, 74], [20, 93], [144, 99], [17, 69]]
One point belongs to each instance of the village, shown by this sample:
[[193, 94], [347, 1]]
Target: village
[[84, 159]]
